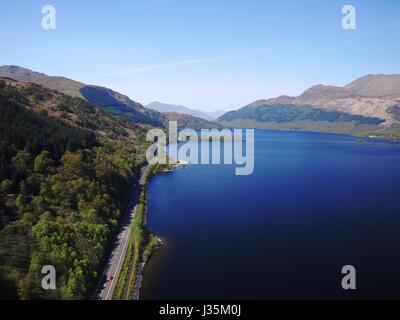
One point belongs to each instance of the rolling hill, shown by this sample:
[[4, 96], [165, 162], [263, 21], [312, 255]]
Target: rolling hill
[[108, 99], [370, 96], [60, 84], [369, 105], [187, 121]]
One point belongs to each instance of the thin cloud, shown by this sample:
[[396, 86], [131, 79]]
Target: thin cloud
[[362, 37], [232, 56], [227, 57], [152, 67]]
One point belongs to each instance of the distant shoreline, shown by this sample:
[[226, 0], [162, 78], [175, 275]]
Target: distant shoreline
[[368, 137]]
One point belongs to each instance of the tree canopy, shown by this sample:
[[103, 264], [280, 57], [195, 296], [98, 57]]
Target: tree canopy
[[66, 169]]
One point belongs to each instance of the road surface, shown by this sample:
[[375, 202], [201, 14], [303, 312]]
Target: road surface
[[105, 289]]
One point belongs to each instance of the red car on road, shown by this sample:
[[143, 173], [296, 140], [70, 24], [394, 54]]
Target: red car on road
[[109, 278]]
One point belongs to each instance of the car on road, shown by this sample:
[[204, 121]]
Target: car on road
[[109, 278]]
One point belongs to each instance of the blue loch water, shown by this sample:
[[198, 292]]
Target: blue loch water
[[315, 203]]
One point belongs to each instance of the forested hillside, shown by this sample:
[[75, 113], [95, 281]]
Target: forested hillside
[[66, 168], [299, 117], [287, 113], [191, 122]]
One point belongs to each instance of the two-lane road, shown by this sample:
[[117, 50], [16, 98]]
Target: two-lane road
[[105, 288]]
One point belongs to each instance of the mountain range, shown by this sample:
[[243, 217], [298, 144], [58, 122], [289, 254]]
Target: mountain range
[[164, 107], [105, 98], [367, 104]]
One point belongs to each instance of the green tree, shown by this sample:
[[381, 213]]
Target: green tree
[[5, 186], [22, 164], [44, 163]]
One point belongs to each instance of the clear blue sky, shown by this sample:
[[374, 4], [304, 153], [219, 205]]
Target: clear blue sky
[[207, 54]]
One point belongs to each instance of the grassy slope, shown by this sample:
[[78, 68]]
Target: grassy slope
[[141, 244]]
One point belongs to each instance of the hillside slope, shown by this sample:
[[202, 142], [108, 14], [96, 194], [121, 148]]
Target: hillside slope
[[60, 84], [66, 169], [367, 106], [298, 117], [191, 122], [370, 96], [108, 99]]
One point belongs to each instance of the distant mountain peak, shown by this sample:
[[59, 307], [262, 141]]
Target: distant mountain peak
[[376, 85], [165, 107]]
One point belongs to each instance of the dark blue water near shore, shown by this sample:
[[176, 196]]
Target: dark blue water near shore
[[315, 203]]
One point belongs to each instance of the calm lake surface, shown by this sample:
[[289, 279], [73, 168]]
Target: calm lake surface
[[315, 203]]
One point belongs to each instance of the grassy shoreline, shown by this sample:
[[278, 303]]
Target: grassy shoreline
[[142, 244]]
